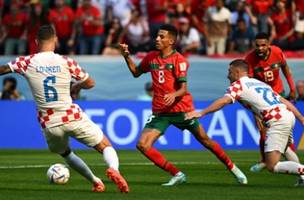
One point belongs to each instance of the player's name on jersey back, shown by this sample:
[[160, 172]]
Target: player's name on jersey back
[[48, 69]]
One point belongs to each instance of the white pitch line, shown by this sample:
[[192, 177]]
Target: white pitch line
[[122, 164]]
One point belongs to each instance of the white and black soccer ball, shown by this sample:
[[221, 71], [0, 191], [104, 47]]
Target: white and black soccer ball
[[58, 174]]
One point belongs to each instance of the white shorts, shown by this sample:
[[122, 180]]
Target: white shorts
[[279, 135], [84, 130]]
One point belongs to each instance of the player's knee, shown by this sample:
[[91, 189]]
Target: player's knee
[[66, 153], [270, 167], [142, 146]]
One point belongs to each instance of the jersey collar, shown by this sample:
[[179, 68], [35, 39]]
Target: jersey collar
[[172, 52]]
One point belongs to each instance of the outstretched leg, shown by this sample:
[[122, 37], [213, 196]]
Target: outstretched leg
[[286, 167], [201, 136], [111, 158], [144, 145], [82, 168]]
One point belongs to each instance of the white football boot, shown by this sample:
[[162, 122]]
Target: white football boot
[[178, 179], [258, 167], [239, 175]]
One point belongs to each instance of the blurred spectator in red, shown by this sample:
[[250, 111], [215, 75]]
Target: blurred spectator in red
[[283, 25], [120, 9], [90, 23], [38, 18], [62, 18], [240, 13], [242, 38], [136, 33], [1, 9], [259, 12], [217, 28], [15, 30], [189, 37], [198, 12], [113, 37], [178, 10], [300, 90], [299, 5], [157, 15]]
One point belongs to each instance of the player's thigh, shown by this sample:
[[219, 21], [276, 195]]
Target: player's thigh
[[85, 131], [148, 137], [277, 139], [57, 139], [159, 122], [192, 125]]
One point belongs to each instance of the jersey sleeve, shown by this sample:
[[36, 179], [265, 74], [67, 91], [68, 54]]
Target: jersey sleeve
[[181, 69], [144, 65], [283, 58], [75, 70], [234, 91], [20, 64]]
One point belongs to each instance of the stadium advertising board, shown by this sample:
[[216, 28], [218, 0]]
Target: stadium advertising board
[[122, 121]]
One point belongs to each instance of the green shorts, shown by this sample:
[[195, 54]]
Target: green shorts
[[161, 121], [282, 94]]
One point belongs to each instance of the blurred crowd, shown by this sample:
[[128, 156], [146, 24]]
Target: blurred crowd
[[207, 27]]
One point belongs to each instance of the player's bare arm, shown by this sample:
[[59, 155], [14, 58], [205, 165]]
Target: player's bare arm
[[170, 98], [87, 84], [131, 65], [5, 69], [293, 109], [287, 73], [215, 106]]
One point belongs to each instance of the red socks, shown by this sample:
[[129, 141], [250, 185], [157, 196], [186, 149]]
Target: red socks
[[221, 155], [159, 160]]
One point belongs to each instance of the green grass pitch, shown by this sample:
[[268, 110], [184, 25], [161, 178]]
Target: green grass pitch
[[23, 177]]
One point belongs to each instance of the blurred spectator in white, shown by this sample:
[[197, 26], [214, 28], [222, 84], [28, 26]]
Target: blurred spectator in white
[[15, 30], [300, 90], [299, 25], [9, 89], [189, 37], [37, 18], [259, 12], [282, 21], [242, 38], [62, 17], [113, 37], [147, 96], [136, 33], [90, 23], [218, 22], [240, 13], [120, 9]]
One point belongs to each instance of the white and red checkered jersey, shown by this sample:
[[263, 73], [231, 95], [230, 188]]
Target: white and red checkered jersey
[[49, 76], [258, 97]]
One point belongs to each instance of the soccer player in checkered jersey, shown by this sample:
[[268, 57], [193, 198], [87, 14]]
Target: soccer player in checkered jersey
[[171, 100], [49, 76], [265, 62], [277, 113]]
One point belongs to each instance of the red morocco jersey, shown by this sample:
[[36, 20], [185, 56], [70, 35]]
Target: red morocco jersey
[[166, 74], [268, 70]]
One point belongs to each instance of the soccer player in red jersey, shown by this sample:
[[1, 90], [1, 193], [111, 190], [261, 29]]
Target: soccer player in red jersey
[[265, 62], [171, 100]]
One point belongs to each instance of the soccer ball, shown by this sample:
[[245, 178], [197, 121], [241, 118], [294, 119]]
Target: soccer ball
[[58, 174]]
